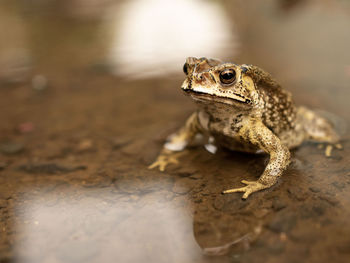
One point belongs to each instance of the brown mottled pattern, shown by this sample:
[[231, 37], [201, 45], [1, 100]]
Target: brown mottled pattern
[[260, 77], [279, 113]]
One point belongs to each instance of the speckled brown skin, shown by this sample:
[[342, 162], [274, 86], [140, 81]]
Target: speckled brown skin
[[244, 109]]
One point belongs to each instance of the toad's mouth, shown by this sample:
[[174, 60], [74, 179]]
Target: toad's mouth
[[205, 97]]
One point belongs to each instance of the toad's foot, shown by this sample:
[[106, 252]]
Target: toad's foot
[[166, 158], [252, 187], [330, 147]]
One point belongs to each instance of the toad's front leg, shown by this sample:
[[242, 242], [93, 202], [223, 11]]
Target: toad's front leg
[[176, 144], [258, 134]]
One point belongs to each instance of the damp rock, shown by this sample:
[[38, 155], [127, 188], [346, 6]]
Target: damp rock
[[48, 168], [230, 203], [260, 213], [97, 181], [119, 142], [196, 176], [278, 205], [282, 222], [314, 189], [277, 248], [314, 211], [297, 194], [319, 208], [136, 185], [329, 199], [134, 147], [183, 174], [219, 203], [3, 204], [181, 187], [185, 171], [344, 247], [85, 145], [339, 185], [3, 165], [11, 148]]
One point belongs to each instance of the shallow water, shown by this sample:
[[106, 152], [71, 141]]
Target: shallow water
[[87, 102]]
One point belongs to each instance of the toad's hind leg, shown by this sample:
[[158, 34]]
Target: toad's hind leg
[[319, 129]]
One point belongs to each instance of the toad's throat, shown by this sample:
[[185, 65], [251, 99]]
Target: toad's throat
[[202, 96]]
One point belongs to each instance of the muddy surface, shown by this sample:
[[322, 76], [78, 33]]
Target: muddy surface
[[76, 140]]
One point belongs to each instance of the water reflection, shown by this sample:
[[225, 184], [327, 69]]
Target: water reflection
[[153, 37], [104, 226]]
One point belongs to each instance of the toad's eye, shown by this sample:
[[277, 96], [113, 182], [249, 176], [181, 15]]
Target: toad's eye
[[227, 76], [185, 68]]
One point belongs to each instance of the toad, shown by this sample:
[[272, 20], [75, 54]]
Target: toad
[[242, 108]]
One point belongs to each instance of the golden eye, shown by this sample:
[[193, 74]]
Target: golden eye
[[227, 76], [185, 69]]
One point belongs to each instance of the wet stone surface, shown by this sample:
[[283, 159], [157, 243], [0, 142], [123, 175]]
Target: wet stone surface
[[76, 141], [100, 202]]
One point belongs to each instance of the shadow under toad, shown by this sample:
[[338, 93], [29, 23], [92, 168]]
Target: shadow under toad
[[301, 208]]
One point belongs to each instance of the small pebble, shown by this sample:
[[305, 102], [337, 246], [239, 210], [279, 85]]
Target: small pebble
[[2, 165], [180, 188], [85, 145], [314, 189], [11, 147], [283, 237], [39, 82], [339, 185], [26, 127], [278, 205], [261, 213]]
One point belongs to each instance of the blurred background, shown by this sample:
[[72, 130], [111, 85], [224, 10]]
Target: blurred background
[[90, 89]]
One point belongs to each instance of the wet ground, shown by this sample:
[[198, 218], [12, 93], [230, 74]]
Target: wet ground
[[78, 130]]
